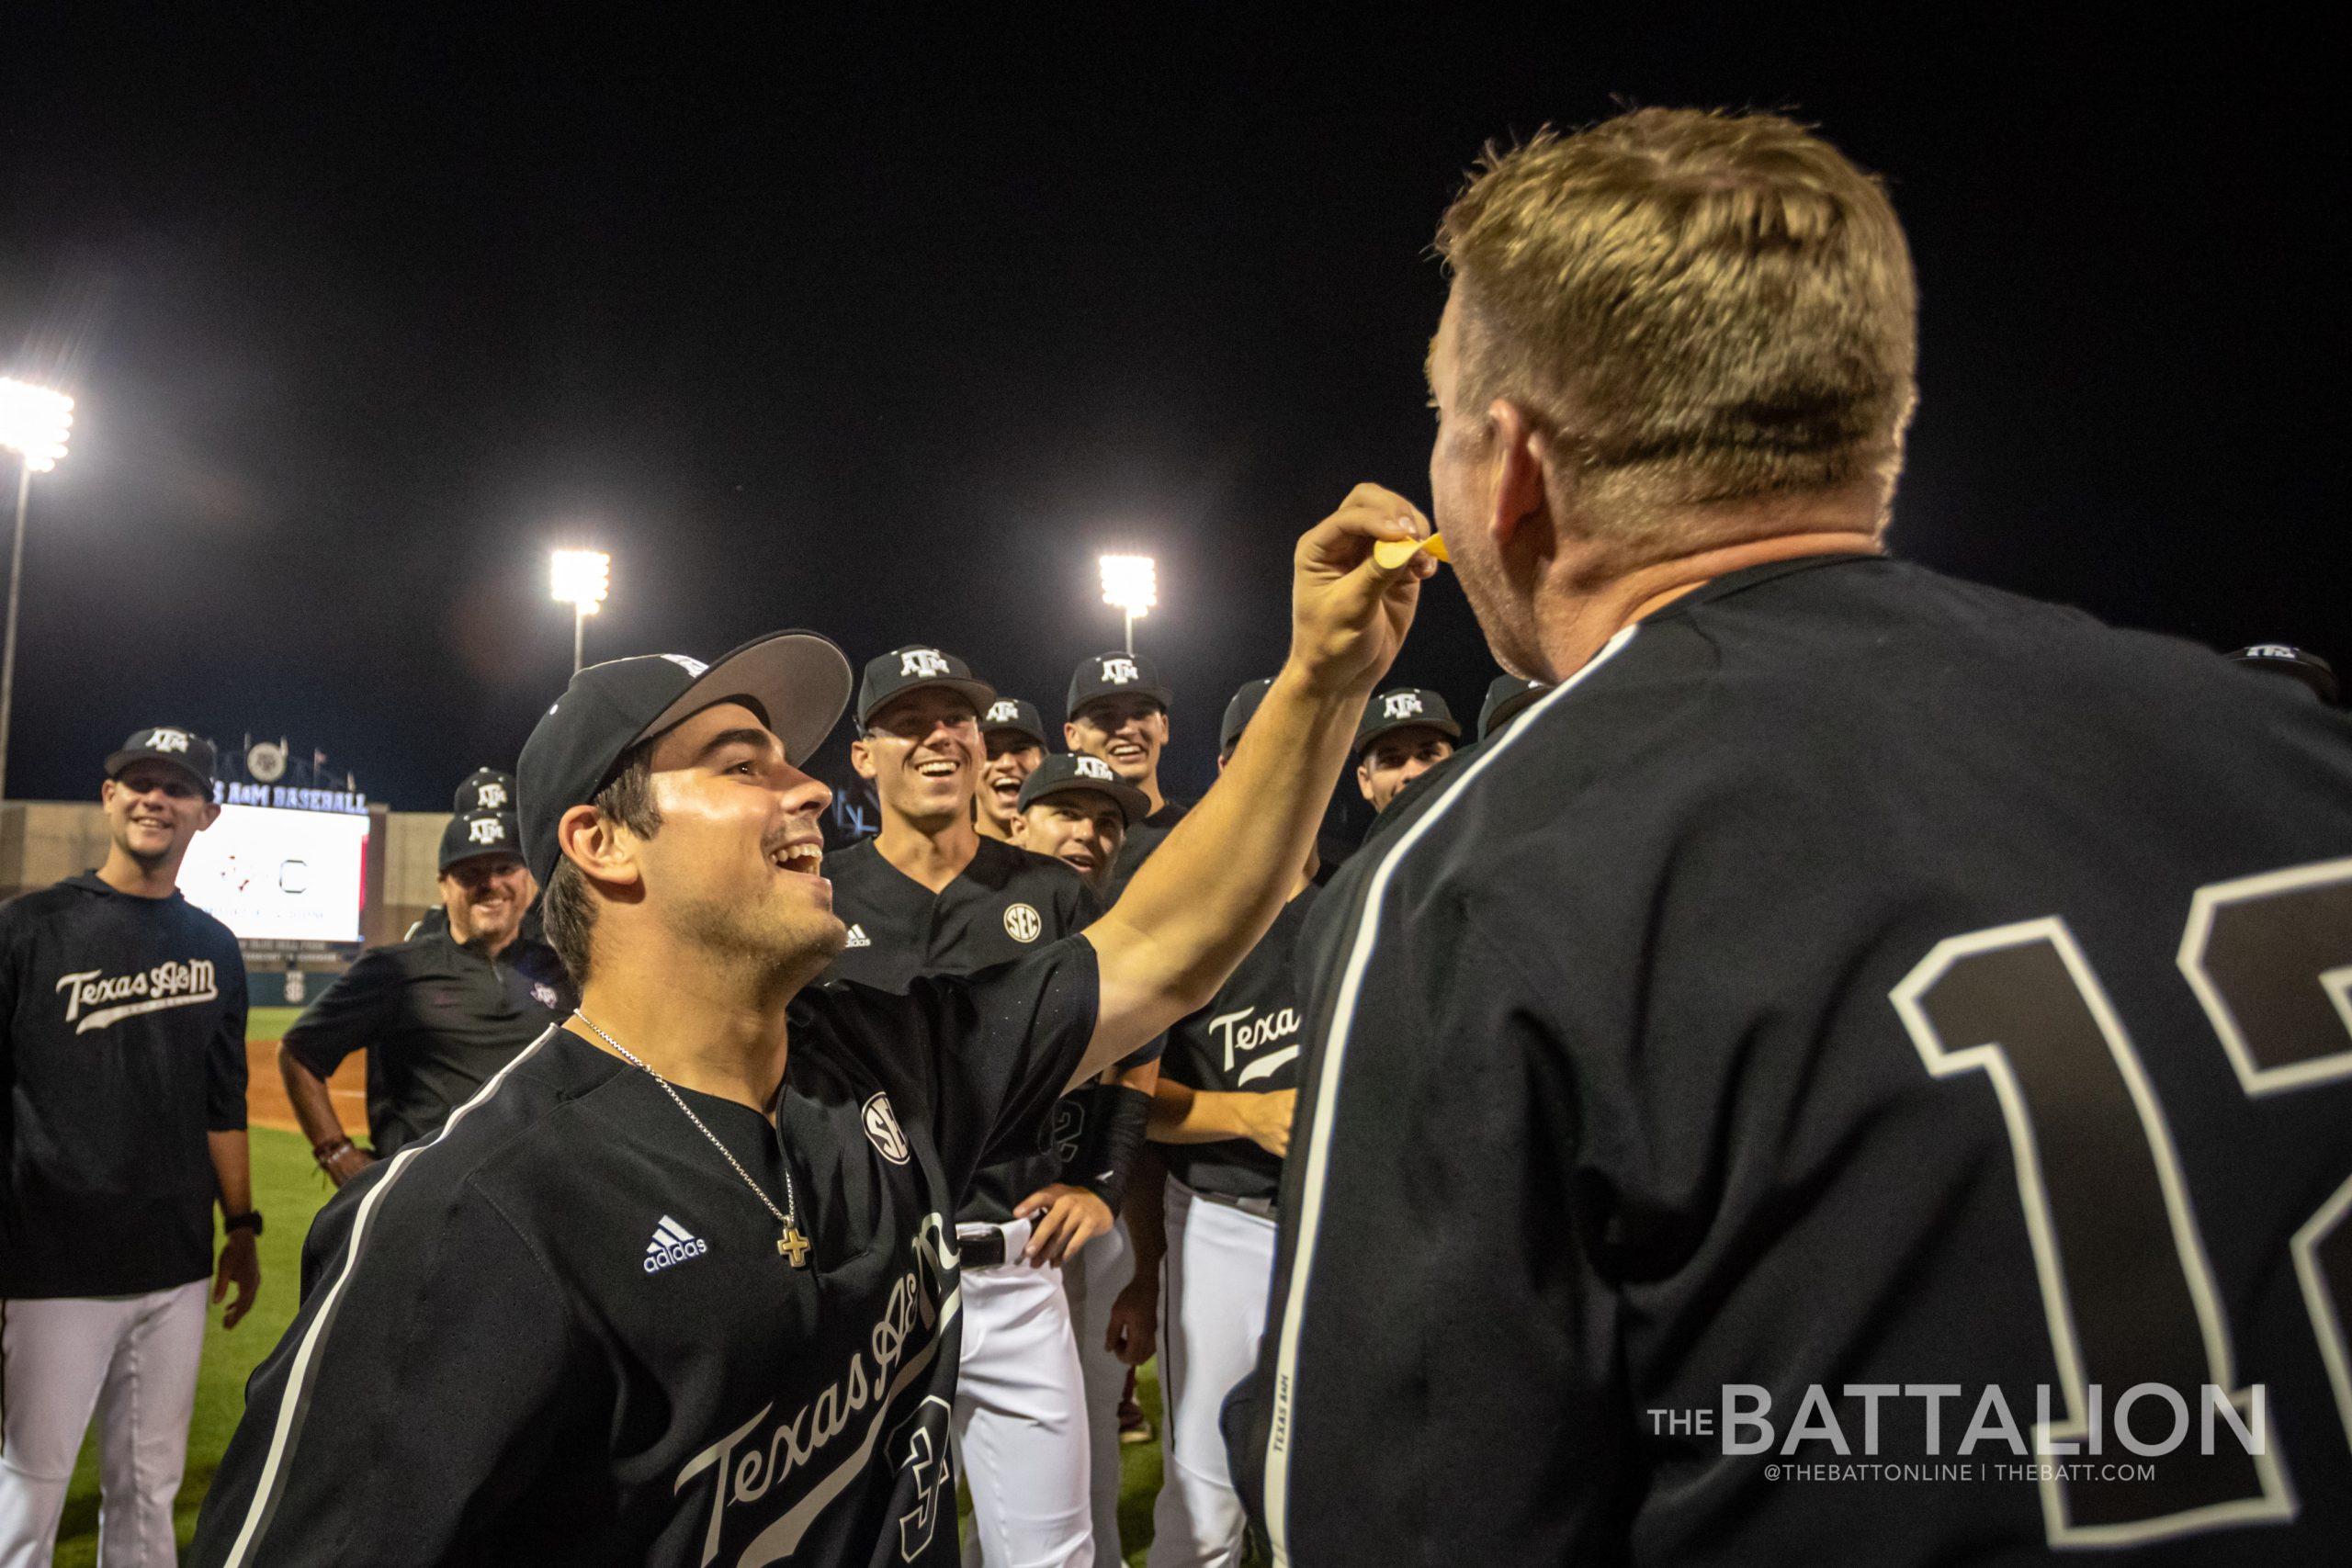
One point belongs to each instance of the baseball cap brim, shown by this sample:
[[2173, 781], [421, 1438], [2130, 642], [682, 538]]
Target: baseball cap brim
[[1016, 726], [1445, 726], [119, 760], [799, 681], [979, 693], [1133, 804]]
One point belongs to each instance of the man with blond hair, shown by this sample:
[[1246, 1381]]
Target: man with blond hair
[[1858, 1070]]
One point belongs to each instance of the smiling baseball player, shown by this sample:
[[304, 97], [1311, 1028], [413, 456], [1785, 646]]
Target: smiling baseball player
[[681, 1286], [930, 894], [437, 1014], [122, 1120], [1012, 736], [1118, 710]]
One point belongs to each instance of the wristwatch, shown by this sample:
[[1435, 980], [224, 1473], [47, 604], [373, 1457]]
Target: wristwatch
[[248, 1221]]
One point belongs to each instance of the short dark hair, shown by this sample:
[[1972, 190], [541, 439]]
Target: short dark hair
[[567, 907]]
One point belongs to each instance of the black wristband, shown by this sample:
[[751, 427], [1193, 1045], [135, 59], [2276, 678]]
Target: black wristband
[[248, 1221], [1111, 1142]]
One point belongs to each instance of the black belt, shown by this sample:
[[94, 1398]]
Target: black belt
[[980, 1246], [1264, 1208]]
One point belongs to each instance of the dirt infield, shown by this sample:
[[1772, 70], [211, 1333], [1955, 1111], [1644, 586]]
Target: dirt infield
[[265, 1101]]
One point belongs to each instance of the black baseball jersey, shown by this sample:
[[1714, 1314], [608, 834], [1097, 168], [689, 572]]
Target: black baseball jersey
[[1244, 1041], [122, 1044], [1854, 981], [1006, 903], [1141, 840], [563, 1332], [436, 1020]]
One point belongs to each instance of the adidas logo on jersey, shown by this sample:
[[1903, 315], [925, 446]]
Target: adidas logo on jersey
[[857, 938], [672, 1243]]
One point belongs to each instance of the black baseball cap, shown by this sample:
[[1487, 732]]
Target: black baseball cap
[[2297, 664], [1239, 712], [485, 789], [1065, 775], [1012, 713], [1404, 707], [1115, 674], [798, 683], [473, 833], [183, 748], [1507, 698], [912, 667]]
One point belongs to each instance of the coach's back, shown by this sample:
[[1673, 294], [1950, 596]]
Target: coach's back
[[1855, 979]]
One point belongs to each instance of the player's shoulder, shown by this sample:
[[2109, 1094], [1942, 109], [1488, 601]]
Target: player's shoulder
[[852, 860], [1010, 865], [417, 953], [44, 904], [516, 1127]]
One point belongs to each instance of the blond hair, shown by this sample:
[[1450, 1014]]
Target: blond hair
[[1701, 309]]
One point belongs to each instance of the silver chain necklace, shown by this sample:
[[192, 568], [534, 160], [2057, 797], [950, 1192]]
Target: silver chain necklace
[[792, 1244]]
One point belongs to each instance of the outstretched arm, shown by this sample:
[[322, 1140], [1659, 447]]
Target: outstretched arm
[[1202, 901]]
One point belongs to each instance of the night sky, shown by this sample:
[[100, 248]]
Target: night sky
[[888, 331]]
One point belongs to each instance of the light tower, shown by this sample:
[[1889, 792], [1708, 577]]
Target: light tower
[[34, 424], [1131, 583], [581, 579]]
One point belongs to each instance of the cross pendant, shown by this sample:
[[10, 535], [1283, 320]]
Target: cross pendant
[[794, 1245]]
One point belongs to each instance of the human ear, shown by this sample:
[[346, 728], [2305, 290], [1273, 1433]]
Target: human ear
[[862, 760], [1521, 457], [600, 846]]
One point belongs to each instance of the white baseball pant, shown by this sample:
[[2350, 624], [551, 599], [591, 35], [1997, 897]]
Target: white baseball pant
[[1219, 1268], [131, 1359], [1021, 1415], [1095, 1280]]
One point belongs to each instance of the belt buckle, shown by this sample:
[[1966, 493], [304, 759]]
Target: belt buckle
[[980, 1246]]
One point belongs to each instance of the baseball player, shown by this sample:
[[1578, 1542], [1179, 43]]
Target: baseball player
[[485, 789], [1118, 710], [1076, 810], [1507, 697], [681, 1284], [437, 1014], [928, 896], [1405, 732], [122, 1121], [1013, 734], [1859, 1056], [1220, 1120]]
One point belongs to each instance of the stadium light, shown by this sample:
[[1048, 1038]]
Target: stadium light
[[1131, 583], [580, 580], [34, 424]]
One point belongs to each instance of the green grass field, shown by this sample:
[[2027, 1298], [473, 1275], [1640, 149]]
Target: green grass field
[[288, 1189]]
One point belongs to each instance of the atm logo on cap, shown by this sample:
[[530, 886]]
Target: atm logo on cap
[[167, 741], [923, 662], [1401, 705], [490, 796], [488, 830], [685, 661], [1119, 671], [1092, 768], [1004, 712]]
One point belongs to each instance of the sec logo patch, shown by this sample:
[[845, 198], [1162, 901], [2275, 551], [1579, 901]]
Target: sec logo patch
[[882, 1127], [1022, 923]]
